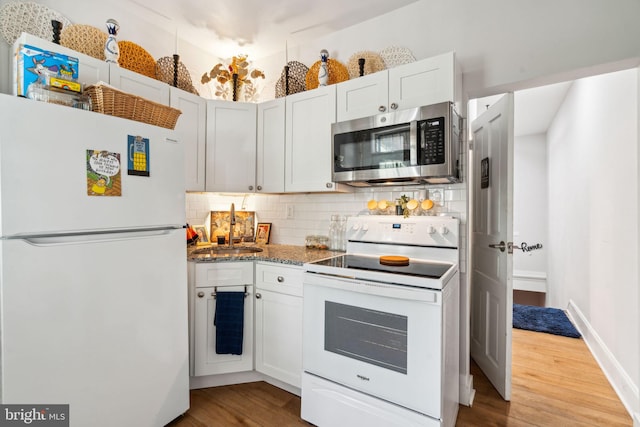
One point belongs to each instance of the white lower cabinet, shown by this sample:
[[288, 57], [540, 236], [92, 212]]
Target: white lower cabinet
[[279, 322], [210, 279]]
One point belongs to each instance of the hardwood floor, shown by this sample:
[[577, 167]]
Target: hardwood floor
[[556, 382]]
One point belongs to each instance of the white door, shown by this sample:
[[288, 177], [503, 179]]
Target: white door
[[492, 228]]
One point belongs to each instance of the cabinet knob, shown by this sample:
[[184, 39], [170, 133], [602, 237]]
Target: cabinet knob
[[382, 108], [280, 279], [259, 187], [258, 296], [251, 188], [329, 184], [394, 106], [200, 294]]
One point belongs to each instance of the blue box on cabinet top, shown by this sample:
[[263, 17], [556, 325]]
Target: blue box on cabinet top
[[38, 65]]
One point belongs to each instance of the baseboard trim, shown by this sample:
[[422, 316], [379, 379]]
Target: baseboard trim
[[467, 392], [623, 385]]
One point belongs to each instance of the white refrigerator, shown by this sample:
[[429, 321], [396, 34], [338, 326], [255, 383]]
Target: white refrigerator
[[93, 292]]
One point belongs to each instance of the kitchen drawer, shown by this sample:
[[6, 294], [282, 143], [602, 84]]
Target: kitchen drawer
[[280, 278], [224, 274]]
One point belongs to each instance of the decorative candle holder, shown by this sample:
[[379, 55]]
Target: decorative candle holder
[[111, 49], [323, 72]]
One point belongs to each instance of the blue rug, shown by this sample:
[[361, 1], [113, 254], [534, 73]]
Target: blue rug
[[543, 319]]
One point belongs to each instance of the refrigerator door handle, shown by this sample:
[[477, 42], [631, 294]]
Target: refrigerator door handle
[[95, 236]]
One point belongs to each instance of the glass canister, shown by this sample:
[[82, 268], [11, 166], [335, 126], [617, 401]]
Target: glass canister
[[334, 233], [342, 229]]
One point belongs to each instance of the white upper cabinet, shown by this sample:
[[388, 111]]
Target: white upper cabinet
[[231, 147], [137, 84], [429, 81], [363, 97], [309, 116], [191, 128], [270, 147]]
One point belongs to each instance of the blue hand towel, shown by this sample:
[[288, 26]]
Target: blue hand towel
[[229, 322]]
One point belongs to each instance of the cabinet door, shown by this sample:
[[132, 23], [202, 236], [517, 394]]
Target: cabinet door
[[309, 116], [206, 360], [231, 146], [192, 128], [209, 278], [279, 336], [363, 97], [424, 82], [270, 147], [137, 84], [279, 321]]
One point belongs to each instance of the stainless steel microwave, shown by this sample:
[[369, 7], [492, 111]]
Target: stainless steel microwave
[[415, 146]]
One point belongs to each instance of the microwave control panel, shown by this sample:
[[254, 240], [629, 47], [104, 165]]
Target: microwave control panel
[[432, 141]]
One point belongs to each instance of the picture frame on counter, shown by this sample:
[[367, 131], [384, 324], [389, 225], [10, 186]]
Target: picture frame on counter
[[263, 232], [203, 235]]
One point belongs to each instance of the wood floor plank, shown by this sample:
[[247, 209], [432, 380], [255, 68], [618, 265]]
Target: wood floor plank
[[556, 382]]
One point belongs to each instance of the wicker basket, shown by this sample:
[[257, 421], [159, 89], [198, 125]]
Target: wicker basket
[[107, 100]]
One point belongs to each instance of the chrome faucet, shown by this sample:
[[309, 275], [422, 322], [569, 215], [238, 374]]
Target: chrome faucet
[[232, 223]]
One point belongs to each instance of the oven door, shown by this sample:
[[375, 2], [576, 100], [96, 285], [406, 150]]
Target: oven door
[[383, 340]]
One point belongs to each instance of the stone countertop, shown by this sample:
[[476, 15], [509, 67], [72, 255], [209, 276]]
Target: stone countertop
[[284, 254]]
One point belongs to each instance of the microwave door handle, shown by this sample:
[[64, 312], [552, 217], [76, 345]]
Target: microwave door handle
[[413, 142]]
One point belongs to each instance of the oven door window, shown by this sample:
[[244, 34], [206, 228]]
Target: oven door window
[[370, 336], [380, 148]]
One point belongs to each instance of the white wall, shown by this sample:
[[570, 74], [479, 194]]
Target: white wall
[[500, 43], [593, 220], [530, 201]]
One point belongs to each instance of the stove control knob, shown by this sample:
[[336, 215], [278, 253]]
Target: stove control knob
[[365, 227], [430, 229], [444, 230], [356, 226]]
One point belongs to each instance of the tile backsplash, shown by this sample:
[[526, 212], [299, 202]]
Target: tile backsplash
[[294, 216]]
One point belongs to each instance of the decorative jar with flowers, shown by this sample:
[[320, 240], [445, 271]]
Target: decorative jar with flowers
[[234, 81]]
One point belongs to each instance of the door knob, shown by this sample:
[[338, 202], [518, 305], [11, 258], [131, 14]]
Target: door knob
[[502, 246]]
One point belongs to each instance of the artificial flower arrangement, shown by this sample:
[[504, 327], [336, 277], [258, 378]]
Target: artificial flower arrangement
[[235, 80]]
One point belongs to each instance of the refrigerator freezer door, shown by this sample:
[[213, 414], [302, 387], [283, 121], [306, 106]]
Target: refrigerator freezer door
[[43, 171], [100, 326]]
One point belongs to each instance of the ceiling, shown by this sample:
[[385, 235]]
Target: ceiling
[[260, 28], [257, 27], [534, 108]]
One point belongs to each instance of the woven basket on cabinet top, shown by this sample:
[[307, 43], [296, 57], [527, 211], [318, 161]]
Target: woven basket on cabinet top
[[85, 39], [337, 73], [107, 100], [133, 57]]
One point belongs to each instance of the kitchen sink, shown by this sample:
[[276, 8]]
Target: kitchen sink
[[226, 250]]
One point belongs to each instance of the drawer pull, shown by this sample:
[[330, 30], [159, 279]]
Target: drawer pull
[[200, 294], [280, 279], [258, 296]]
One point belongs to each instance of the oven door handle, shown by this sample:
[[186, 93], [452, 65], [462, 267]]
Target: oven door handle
[[374, 288]]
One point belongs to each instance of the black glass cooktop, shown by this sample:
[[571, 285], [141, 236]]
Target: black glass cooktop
[[415, 268]]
